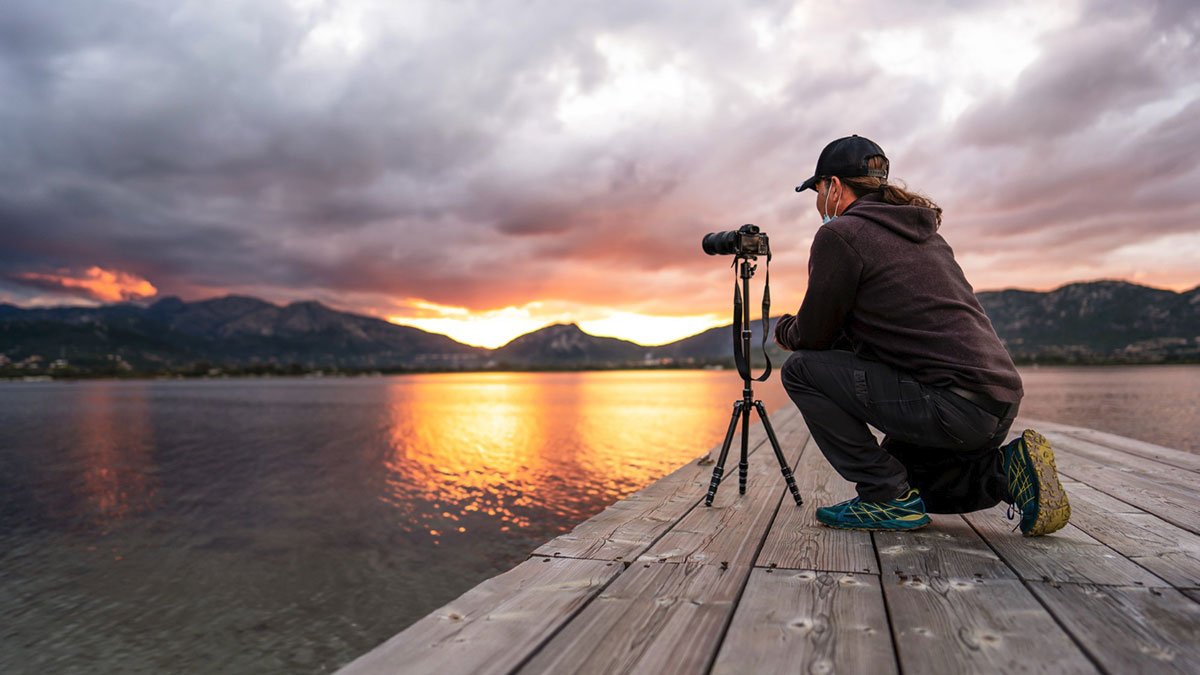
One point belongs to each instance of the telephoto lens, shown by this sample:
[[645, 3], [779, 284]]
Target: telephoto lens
[[720, 243]]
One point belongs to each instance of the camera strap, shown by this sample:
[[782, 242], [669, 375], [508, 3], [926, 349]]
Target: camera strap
[[739, 357]]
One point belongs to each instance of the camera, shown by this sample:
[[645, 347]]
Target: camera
[[746, 241]]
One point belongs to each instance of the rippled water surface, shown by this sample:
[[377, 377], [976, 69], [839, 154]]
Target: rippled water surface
[[292, 524], [1160, 404]]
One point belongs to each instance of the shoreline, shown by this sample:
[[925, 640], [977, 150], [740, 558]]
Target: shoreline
[[317, 374]]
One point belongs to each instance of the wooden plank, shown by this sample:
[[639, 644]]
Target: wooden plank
[[1178, 458], [798, 541], [949, 547], [627, 528], [1091, 499], [732, 529], [1152, 451], [655, 618], [808, 622], [1179, 568], [1097, 513], [1168, 551], [978, 625], [1129, 630], [1069, 555], [494, 626]]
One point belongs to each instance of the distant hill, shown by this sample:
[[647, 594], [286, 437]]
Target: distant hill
[[715, 345], [567, 344], [1097, 321], [222, 332], [1094, 322]]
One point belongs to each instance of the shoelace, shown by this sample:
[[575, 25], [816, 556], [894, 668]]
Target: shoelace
[[1013, 512]]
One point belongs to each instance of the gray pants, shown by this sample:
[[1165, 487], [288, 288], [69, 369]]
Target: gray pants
[[934, 440]]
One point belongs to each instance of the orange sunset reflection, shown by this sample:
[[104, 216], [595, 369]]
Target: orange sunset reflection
[[465, 456], [498, 449], [113, 440]]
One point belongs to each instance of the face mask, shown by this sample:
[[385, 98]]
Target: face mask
[[825, 219]]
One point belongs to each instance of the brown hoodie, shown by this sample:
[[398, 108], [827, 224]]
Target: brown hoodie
[[882, 277]]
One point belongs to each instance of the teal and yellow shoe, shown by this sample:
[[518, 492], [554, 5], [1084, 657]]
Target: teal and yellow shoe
[[906, 512], [1037, 495]]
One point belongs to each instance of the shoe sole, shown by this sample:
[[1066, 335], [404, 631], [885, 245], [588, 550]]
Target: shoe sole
[[902, 528], [1054, 509]]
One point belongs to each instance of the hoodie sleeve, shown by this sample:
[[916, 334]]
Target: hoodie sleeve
[[834, 269]]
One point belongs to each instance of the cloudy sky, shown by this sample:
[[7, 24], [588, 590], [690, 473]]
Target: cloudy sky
[[486, 168]]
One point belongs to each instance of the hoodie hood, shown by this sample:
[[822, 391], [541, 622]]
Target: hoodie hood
[[915, 223]]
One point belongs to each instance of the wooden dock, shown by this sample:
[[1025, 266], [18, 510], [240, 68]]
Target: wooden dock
[[657, 583]]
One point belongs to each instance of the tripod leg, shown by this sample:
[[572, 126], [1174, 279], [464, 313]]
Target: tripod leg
[[719, 469], [783, 465], [744, 464]]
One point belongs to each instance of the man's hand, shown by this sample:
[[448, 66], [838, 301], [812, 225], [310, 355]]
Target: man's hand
[[782, 328]]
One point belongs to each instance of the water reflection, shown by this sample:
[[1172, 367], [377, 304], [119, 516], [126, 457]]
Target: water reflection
[[290, 525], [634, 429], [109, 433], [465, 445], [1150, 403], [508, 450]]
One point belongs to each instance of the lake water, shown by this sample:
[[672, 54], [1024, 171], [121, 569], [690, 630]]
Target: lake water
[[293, 524]]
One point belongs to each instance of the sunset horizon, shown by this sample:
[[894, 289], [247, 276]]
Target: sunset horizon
[[496, 328]]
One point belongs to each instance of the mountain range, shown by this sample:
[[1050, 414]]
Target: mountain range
[[1102, 321]]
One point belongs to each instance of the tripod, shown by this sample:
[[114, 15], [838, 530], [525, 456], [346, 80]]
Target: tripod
[[741, 325]]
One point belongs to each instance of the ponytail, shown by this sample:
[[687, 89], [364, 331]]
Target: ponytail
[[892, 194]]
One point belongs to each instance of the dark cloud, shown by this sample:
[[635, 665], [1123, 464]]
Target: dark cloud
[[493, 155]]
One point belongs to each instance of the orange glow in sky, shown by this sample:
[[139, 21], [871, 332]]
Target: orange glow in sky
[[648, 330], [495, 328], [101, 284], [488, 329]]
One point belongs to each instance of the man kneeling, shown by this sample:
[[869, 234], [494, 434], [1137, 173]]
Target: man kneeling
[[891, 334]]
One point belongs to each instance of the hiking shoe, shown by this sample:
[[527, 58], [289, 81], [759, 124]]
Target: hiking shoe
[[906, 512], [1037, 496]]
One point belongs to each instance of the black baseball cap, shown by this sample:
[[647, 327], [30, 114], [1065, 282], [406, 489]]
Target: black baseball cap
[[847, 158]]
